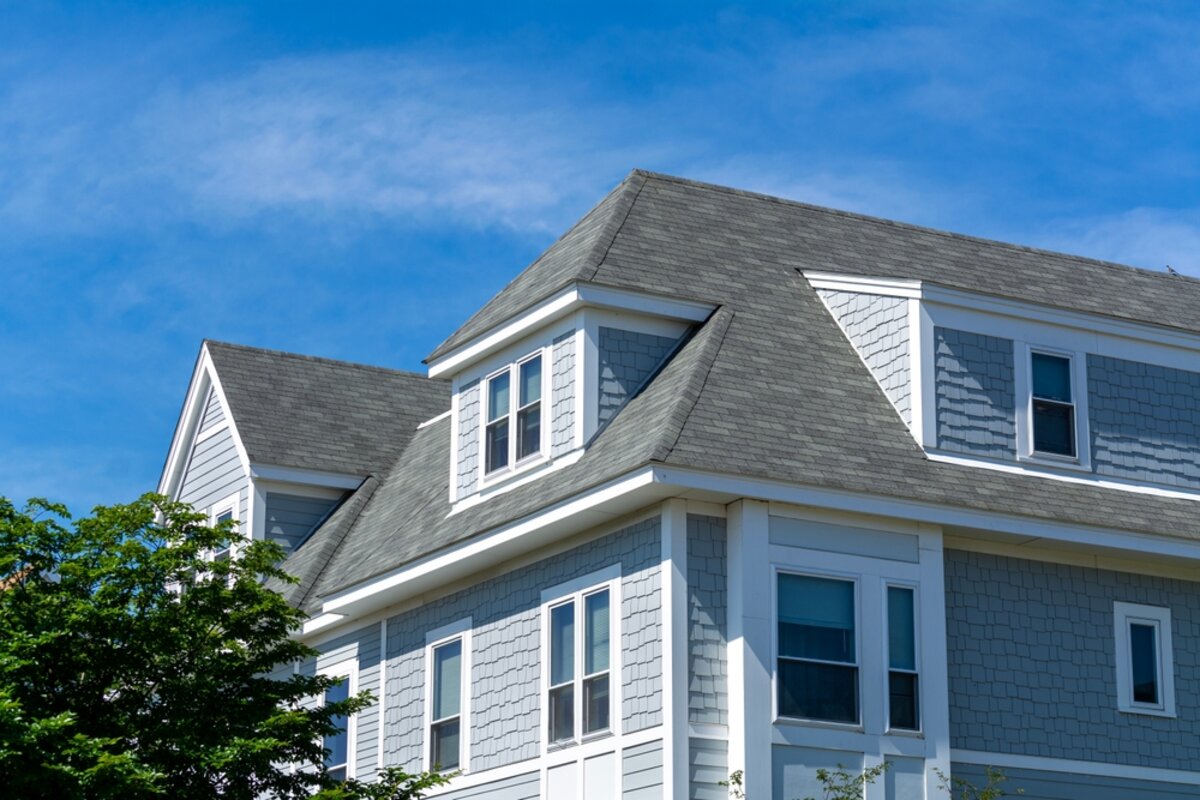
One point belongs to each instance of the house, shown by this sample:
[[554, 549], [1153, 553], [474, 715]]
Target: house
[[726, 482]]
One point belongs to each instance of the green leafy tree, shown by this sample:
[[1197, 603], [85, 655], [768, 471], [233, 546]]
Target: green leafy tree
[[962, 789], [133, 665]]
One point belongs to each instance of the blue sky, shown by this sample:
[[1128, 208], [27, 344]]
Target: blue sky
[[352, 180]]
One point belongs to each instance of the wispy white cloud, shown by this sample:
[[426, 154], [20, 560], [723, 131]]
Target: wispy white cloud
[[1150, 238]]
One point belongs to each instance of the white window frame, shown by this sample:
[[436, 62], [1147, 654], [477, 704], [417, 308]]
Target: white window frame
[[232, 505], [851, 577], [514, 399], [1160, 618], [345, 669], [887, 658], [575, 591], [1024, 406], [460, 630]]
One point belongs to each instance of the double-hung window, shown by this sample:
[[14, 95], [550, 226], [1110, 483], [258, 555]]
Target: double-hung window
[[579, 696], [1145, 662], [1052, 405], [513, 422], [445, 714], [339, 746], [903, 684], [818, 649]]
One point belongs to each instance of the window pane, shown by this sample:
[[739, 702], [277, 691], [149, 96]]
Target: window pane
[[445, 747], [1051, 377], [562, 713], [447, 679], [816, 618], [337, 744], [498, 397], [595, 704], [562, 643], [902, 700], [529, 430], [1053, 428], [497, 445], [818, 691], [531, 381], [902, 647], [1143, 645], [224, 515], [596, 645]]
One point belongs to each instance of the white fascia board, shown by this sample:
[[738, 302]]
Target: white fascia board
[[185, 427], [1006, 307], [606, 502], [733, 486], [307, 477], [570, 299], [229, 419]]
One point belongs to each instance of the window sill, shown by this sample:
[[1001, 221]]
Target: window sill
[[1052, 461], [907, 734], [799, 722], [1148, 712], [500, 476]]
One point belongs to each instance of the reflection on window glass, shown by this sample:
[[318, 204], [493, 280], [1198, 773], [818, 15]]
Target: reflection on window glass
[[1053, 407], [562, 672], [1143, 646], [338, 745], [447, 702], [596, 656], [903, 700], [818, 668]]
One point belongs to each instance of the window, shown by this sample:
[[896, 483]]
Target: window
[[1053, 407], [818, 660], [513, 430], [579, 696], [222, 512], [339, 747], [445, 751], [1145, 663], [903, 691]]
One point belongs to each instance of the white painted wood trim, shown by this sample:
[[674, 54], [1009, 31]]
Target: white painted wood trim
[[347, 668], [381, 756], [1037, 550], [1093, 768], [675, 649], [1160, 619], [310, 477], [458, 630]]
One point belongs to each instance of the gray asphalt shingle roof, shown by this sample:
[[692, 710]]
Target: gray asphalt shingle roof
[[768, 386], [320, 414]]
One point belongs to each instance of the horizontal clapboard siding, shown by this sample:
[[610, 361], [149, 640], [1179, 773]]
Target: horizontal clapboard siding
[[642, 772]]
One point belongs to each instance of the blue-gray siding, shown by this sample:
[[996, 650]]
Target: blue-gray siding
[[1032, 659], [976, 393], [519, 787], [1045, 785], [626, 359], [562, 394], [642, 772], [468, 438], [708, 765], [878, 328], [708, 697], [794, 770], [290, 517], [214, 472], [214, 414], [1145, 421], [505, 650]]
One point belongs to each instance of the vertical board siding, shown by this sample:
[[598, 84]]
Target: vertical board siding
[[1044, 785], [642, 772], [975, 388], [562, 395], [1032, 662], [505, 611], [291, 518], [520, 787], [708, 694], [878, 328], [214, 414], [213, 473], [468, 438], [626, 359], [708, 765], [1144, 421]]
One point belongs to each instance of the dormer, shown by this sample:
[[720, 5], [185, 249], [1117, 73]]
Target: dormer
[[1004, 384], [532, 392]]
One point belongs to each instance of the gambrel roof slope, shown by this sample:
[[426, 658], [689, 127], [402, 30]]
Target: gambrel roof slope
[[768, 387]]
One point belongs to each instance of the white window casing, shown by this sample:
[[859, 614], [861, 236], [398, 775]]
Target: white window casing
[[1025, 402], [508, 418], [1135, 628], [226, 509], [459, 633], [348, 670]]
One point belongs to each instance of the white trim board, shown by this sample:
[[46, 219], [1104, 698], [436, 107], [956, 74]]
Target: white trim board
[[1094, 768], [570, 299]]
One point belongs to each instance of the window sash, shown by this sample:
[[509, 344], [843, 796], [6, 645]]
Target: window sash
[[1142, 675], [904, 682], [337, 760], [1053, 406], [579, 693], [513, 429], [814, 680]]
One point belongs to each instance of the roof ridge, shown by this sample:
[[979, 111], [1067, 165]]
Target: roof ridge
[[891, 223], [720, 320], [321, 360]]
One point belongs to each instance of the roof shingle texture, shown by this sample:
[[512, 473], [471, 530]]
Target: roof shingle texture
[[768, 387], [319, 414]]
